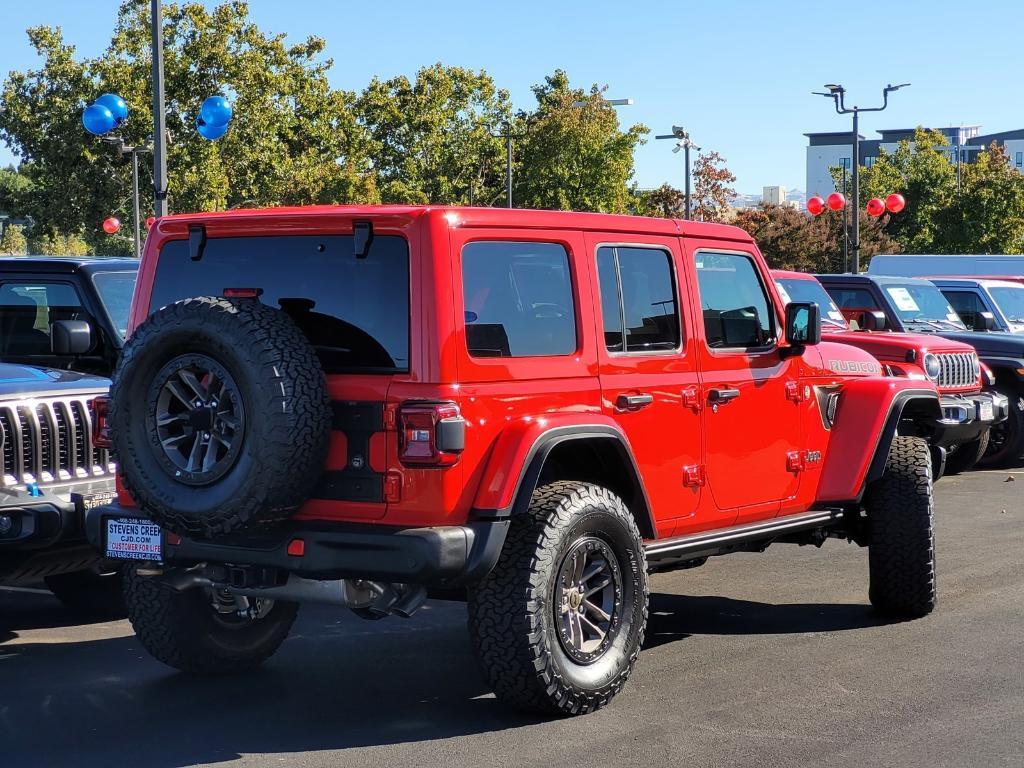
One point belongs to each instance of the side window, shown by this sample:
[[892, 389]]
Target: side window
[[519, 299], [638, 299], [965, 303], [736, 309], [854, 298], [26, 311]]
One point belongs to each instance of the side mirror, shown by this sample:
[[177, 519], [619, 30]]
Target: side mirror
[[803, 324], [873, 320], [70, 337], [985, 321]]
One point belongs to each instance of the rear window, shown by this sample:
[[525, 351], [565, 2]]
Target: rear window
[[355, 312]]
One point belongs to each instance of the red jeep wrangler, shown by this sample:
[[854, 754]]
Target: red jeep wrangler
[[539, 408], [961, 436]]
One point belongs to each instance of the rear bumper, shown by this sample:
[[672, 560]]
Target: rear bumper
[[444, 556], [964, 417]]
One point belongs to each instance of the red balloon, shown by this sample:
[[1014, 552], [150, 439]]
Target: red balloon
[[112, 225], [150, 221], [875, 207], [815, 205], [836, 201], [895, 203]]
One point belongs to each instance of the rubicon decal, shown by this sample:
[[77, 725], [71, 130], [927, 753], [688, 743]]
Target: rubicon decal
[[855, 366]]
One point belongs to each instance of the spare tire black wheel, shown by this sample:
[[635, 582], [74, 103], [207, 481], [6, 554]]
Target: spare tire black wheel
[[220, 416]]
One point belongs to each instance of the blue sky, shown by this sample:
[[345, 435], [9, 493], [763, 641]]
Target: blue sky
[[737, 74]]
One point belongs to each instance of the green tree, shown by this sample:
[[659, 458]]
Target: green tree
[[14, 186], [57, 244], [666, 202], [574, 158], [13, 242], [294, 138], [433, 139], [712, 188], [989, 214]]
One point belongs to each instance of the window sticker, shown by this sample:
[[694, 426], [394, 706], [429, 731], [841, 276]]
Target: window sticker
[[836, 315], [904, 301], [953, 317]]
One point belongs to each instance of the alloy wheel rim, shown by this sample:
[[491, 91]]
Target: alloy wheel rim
[[588, 600], [198, 418]]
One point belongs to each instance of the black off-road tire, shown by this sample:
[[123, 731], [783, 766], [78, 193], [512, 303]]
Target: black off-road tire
[[281, 395], [967, 455], [1006, 445], [182, 629], [512, 616], [901, 534], [95, 593]]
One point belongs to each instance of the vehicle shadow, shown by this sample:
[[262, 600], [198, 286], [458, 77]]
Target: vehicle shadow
[[677, 617], [20, 611], [337, 683]]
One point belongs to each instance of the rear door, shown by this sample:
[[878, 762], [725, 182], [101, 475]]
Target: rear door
[[354, 311], [750, 392], [648, 369]]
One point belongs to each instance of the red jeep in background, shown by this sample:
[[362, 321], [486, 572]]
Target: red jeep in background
[[353, 405], [959, 438]]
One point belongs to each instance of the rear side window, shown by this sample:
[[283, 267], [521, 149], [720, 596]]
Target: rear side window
[[854, 298], [737, 313], [518, 299], [27, 310], [638, 299], [355, 312]]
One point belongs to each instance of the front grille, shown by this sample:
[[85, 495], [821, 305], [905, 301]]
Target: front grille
[[49, 440], [957, 369]]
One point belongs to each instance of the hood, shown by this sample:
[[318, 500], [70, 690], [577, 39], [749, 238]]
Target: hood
[[893, 346], [26, 381], [846, 360], [991, 344]]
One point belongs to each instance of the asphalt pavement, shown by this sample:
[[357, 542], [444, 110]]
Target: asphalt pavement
[[770, 659]]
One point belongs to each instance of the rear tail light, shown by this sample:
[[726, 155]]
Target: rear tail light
[[101, 436], [430, 434]]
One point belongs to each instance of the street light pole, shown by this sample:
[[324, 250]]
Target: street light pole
[[685, 143], [159, 117], [838, 94]]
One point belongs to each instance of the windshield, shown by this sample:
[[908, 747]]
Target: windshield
[[1010, 301], [115, 290], [923, 304], [813, 291]]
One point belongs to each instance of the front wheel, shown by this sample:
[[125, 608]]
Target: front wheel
[[901, 533], [558, 623], [203, 633], [1006, 439]]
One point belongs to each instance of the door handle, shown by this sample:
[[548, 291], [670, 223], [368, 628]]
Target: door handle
[[633, 402], [722, 396]]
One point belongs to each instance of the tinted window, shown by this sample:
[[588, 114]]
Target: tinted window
[[737, 313], [115, 290], [854, 298], [965, 303], [795, 289], [518, 299], [26, 311], [638, 299], [355, 312]]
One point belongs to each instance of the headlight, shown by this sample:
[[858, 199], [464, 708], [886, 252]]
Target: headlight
[[932, 366], [975, 366]]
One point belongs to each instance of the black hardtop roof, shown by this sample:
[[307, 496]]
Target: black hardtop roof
[[879, 279], [66, 264]]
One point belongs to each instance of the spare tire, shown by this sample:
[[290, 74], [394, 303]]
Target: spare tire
[[220, 416]]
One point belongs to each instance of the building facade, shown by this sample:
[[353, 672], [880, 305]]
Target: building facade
[[828, 150]]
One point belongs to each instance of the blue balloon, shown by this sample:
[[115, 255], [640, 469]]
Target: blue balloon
[[215, 111], [97, 119], [208, 131], [116, 105]]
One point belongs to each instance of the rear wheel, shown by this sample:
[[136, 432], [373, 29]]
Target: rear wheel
[[901, 536], [203, 633], [967, 455], [1006, 441], [558, 624], [96, 592]]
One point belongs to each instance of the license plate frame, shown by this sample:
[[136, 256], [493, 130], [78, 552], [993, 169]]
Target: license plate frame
[[986, 412], [87, 501], [132, 538]]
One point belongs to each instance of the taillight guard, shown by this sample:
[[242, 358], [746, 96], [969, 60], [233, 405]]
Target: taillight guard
[[430, 434]]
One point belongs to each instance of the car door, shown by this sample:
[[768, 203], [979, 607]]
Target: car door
[[969, 304], [647, 368], [751, 392]]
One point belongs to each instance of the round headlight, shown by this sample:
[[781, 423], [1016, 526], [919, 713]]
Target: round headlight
[[975, 366], [932, 366]]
